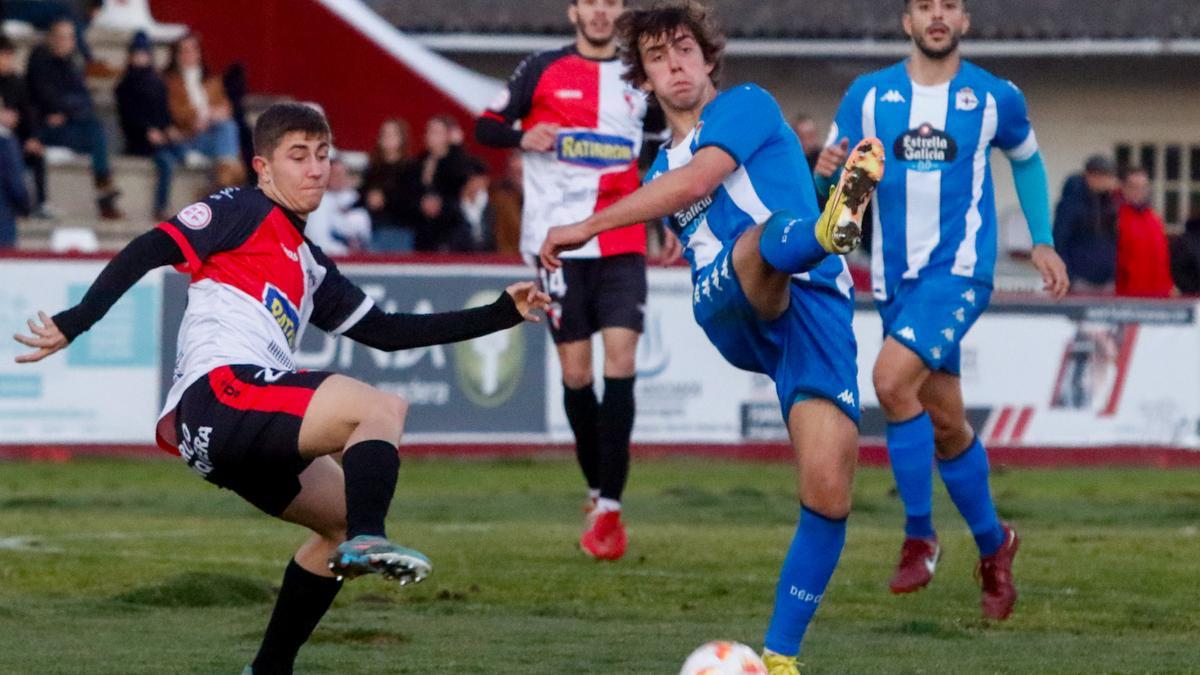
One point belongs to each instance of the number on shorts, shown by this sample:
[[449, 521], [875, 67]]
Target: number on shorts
[[554, 282]]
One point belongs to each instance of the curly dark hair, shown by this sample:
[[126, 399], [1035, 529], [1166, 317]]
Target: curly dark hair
[[663, 20]]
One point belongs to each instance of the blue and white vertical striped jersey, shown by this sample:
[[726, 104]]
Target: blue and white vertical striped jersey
[[772, 175], [935, 211]]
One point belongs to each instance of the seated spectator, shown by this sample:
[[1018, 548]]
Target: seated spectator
[[67, 115], [391, 190], [507, 200], [476, 233], [1185, 257], [146, 121], [201, 110], [443, 169], [1143, 259], [339, 226], [1085, 227], [42, 14], [14, 199], [17, 115]]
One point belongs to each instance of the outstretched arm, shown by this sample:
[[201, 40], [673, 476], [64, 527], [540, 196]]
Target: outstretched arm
[[393, 332], [147, 252], [664, 196]]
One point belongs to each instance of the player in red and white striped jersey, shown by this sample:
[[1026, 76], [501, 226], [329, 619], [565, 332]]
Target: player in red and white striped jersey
[[240, 414], [581, 130]]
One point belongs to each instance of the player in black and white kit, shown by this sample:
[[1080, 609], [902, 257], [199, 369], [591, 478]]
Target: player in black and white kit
[[240, 413]]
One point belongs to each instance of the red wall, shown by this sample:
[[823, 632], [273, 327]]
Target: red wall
[[297, 48]]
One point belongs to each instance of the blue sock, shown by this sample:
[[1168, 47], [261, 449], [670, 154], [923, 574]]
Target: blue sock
[[806, 571], [966, 479], [789, 243], [910, 449]]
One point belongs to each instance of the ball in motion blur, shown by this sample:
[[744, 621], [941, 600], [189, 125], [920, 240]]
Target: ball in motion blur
[[723, 658]]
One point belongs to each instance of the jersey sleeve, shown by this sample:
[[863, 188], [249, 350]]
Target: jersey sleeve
[[848, 122], [1014, 131], [740, 122], [338, 303], [220, 222], [515, 101]]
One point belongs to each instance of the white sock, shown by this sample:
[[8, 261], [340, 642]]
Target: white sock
[[593, 493], [605, 505]]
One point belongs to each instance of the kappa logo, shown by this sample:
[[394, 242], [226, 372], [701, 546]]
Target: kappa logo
[[948, 333], [197, 216], [893, 96], [960, 314], [846, 397], [936, 353], [969, 296], [966, 100], [907, 333]]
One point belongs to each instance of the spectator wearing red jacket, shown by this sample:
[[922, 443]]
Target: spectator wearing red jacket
[[1143, 259]]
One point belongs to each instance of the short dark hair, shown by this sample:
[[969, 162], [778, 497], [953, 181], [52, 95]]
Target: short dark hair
[[908, 3], [663, 19], [282, 119]]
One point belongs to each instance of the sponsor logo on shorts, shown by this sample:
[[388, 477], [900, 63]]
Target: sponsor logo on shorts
[[960, 314], [969, 296], [194, 450], [594, 151], [283, 311], [846, 397], [196, 217], [489, 368], [948, 333], [907, 333]]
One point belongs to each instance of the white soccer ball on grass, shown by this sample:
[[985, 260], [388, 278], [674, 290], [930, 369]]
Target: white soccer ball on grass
[[723, 658]]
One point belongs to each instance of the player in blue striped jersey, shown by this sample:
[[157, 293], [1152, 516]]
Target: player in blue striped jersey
[[932, 261], [735, 184]]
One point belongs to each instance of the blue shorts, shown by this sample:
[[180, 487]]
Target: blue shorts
[[931, 316], [809, 352]]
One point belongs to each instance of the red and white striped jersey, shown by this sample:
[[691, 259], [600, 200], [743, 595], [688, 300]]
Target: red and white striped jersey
[[594, 162], [257, 282]]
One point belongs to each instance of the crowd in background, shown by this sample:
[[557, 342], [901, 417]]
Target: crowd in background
[[425, 194]]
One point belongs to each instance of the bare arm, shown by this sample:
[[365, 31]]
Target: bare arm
[[661, 197]]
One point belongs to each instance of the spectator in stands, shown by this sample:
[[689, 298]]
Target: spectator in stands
[[18, 116], [477, 233], [42, 14], [1085, 227], [201, 110], [236, 89], [146, 121], [67, 115], [1185, 257], [1143, 258], [339, 226], [444, 168], [507, 200], [810, 138], [14, 199], [391, 190]]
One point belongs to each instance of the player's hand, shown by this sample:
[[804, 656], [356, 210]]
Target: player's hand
[[529, 299], [672, 248], [1053, 270], [562, 238], [541, 138], [46, 339], [832, 158]]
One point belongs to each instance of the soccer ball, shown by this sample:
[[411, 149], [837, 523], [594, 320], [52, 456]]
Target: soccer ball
[[723, 658]]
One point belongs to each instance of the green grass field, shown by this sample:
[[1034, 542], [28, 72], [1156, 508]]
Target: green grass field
[[141, 567]]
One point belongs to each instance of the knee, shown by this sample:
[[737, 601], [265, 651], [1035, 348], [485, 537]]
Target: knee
[[951, 440], [893, 392], [576, 377], [388, 408], [620, 363]]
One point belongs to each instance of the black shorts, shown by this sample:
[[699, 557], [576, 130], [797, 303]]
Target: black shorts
[[239, 427], [590, 294]]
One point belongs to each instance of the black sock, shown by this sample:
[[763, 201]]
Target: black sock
[[303, 600], [371, 469], [616, 425], [583, 412]]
